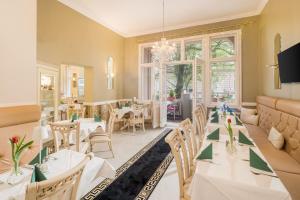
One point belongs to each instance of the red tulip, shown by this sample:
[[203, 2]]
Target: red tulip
[[229, 120], [15, 139]]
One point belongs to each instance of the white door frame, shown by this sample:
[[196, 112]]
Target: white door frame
[[50, 70]]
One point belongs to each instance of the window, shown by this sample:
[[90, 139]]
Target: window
[[224, 76], [212, 61], [193, 49]]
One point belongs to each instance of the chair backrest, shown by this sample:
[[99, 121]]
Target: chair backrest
[[178, 148], [65, 130], [111, 122], [59, 187], [203, 109], [190, 138], [200, 124], [110, 108]]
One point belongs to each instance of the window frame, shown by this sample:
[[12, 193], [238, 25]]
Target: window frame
[[206, 59]]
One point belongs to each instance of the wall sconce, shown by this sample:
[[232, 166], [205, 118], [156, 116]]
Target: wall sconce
[[74, 80], [110, 74]]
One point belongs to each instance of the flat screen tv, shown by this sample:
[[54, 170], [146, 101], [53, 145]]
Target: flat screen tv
[[289, 64]]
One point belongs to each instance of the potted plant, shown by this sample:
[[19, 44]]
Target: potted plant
[[171, 95]]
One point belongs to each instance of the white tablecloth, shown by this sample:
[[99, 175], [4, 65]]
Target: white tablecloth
[[122, 111], [229, 177], [66, 159]]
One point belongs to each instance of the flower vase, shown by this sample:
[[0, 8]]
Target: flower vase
[[16, 175], [230, 145]]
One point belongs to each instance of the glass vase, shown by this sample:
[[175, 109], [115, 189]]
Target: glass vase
[[16, 174]]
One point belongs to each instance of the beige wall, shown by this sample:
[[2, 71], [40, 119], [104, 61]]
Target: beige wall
[[278, 17], [249, 28], [64, 36], [18, 52]]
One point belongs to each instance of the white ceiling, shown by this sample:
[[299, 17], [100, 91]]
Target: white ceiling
[[137, 17]]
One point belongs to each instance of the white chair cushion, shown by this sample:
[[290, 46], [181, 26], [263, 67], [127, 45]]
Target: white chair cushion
[[276, 138], [249, 116]]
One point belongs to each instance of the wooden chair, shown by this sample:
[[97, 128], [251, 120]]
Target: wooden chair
[[60, 187], [65, 130], [148, 107], [101, 136], [200, 126], [137, 118], [76, 109], [180, 153], [190, 138]]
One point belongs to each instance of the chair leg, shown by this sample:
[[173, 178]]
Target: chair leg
[[91, 147], [174, 115], [144, 126], [110, 147]]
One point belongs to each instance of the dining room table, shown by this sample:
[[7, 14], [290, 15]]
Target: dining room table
[[57, 164], [233, 174], [121, 113]]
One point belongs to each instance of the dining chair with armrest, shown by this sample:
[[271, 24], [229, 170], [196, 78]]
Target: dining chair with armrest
[[190, 138], [59, 187], [65, 130], [180, 153], [102, 136]]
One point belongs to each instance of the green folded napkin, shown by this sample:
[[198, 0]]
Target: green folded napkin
[[215, 119], [258, 163], [215, 135], [36, 159], [37, 175], [244, 139], [238, 122], [97, 118], [207, 153], [74, 117], [215, 114], [214, 109]]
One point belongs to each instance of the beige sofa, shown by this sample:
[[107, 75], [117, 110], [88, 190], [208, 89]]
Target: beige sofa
[[17, 121], [284, 115]]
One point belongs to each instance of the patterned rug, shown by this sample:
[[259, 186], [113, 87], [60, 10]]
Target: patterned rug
[[137, 178]]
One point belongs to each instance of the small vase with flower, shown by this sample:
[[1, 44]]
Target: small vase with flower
[[17, 147], [230, 144]]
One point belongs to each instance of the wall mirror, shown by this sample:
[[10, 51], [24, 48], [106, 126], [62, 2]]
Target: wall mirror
[[110, 74]]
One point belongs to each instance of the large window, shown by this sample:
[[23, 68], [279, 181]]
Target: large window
[[224, 71], [211, 61]]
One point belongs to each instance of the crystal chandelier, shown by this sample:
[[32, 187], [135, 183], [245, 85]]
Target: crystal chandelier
[[162, 51]]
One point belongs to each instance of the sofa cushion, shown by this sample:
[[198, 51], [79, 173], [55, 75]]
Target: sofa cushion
[[276, 138], [278, 159], [249, 116], [291, 182]]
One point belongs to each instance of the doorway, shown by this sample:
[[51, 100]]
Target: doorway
[[179, 91]]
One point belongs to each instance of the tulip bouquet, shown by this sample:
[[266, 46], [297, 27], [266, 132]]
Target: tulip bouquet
[[230, 144], [17, 147]]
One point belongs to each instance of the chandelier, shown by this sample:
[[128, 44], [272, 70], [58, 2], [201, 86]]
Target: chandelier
[[162, 51]]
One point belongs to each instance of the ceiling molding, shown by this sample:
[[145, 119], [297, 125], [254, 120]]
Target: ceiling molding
[[89, 14]]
